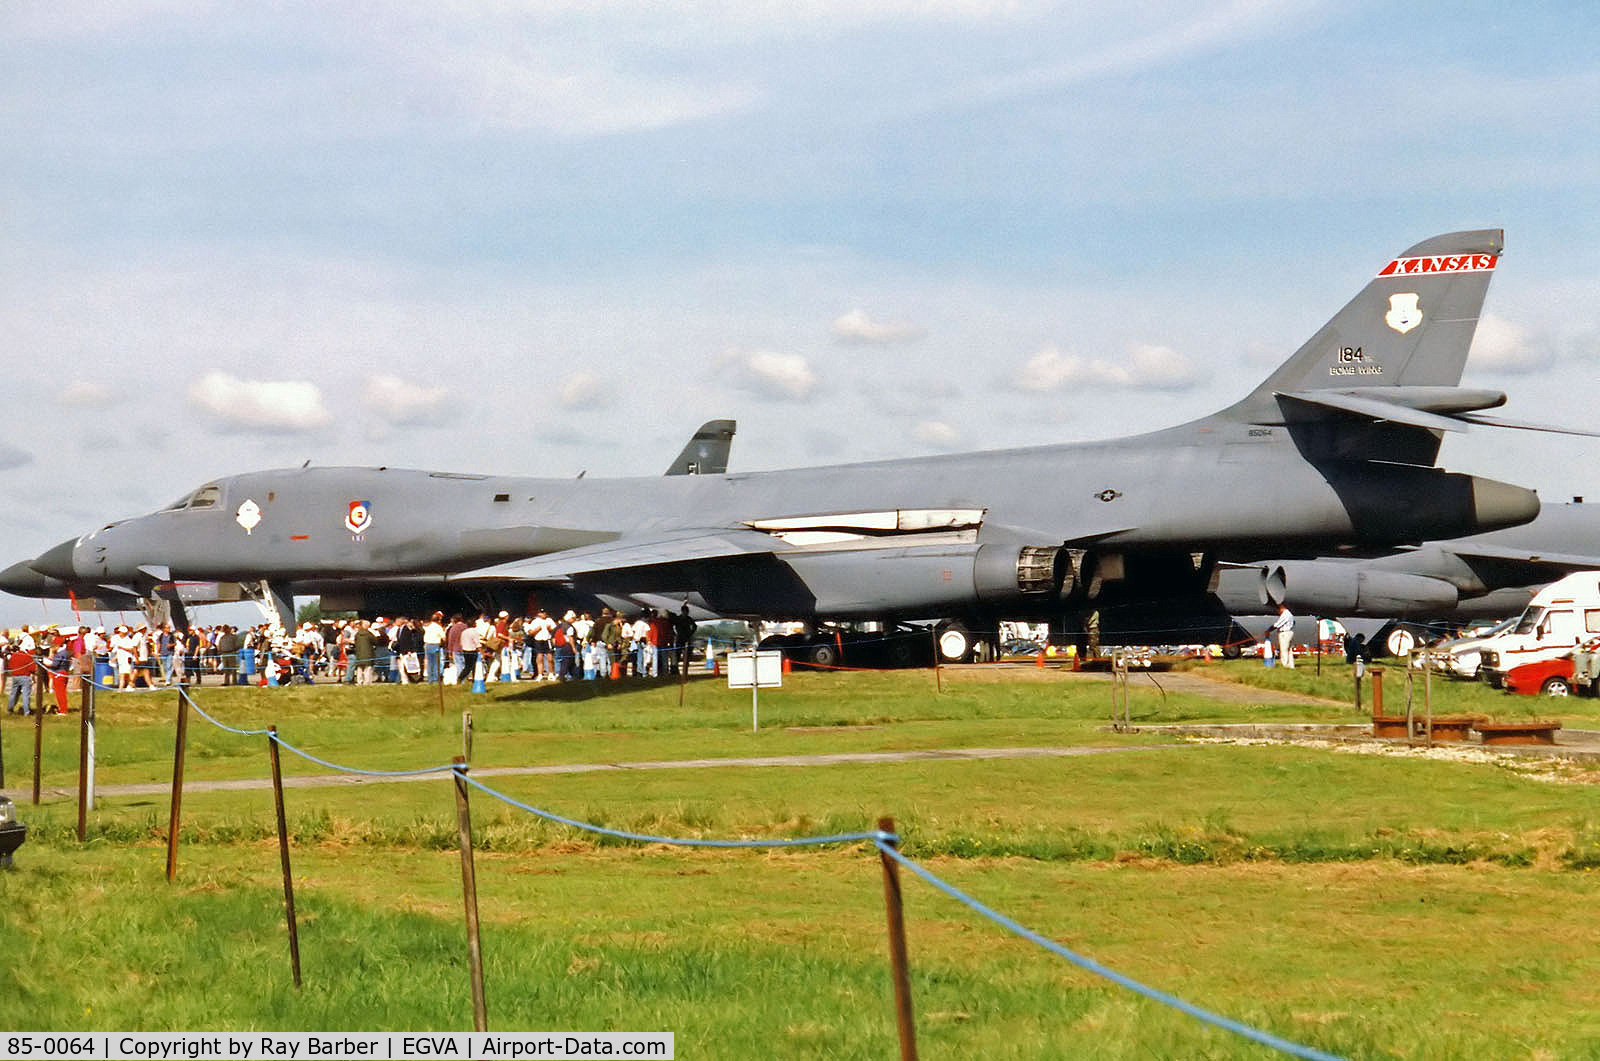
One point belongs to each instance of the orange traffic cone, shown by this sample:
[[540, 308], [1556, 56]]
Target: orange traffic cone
[[787, 665], [1038, 661], [616, 671]]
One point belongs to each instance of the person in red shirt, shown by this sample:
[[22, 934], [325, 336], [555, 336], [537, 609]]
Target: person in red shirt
[[59, 666], [20, 666]]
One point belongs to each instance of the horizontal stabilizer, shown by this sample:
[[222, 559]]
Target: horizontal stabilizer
[[1522, 425], [1432, 408], [1377, 409]]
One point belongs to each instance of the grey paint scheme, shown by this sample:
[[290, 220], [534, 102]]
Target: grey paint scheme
[[1483, 576], [707, 452], [1282, 472]]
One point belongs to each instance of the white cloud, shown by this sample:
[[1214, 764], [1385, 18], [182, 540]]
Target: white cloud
[[1501, 346], [856, 327], [1144, 368], [11, 457], [86, 393], [287, 406], [585, 390], [775, 375], [1161, 368], [936, 433], [405, 403]]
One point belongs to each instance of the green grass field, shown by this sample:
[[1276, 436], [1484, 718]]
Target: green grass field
[[1371, 906]]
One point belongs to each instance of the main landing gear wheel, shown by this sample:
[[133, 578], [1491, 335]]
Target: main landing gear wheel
[[823, 654], [1401, 641], [955, 642]]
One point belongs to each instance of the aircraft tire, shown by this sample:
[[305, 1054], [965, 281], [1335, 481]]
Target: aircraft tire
[[1400, 639], [955, 642], [823, 654]]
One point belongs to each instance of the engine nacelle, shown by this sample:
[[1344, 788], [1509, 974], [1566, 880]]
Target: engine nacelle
[[1319, 587], [923, 580]]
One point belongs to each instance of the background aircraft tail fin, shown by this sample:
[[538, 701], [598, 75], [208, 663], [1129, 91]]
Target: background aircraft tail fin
[[1411, 326], [707, 452]]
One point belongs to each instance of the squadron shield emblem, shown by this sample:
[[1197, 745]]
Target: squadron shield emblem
[[359, 518], [1404, 313]]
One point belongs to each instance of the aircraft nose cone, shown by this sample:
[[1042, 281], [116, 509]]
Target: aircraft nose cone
[[21, 579], [56, 561]]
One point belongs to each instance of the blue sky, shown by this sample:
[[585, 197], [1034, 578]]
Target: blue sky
[[554, 237]]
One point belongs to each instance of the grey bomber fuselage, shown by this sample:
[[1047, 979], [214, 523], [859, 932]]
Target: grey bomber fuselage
[[1336, 448], [1234, 489]]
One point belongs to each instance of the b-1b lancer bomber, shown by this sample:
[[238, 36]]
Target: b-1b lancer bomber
[[1335, 449]]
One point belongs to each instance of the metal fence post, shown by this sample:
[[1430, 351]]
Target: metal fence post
[[469, 895], [283, 854], [85, 705], [899, 961], [180, 742], [38, 727]]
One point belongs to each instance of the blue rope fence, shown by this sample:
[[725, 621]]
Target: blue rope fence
[[1090, 965], [885, 842]]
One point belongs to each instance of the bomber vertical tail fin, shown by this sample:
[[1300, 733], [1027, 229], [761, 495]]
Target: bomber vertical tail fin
[[1410, 327], [707, 452]]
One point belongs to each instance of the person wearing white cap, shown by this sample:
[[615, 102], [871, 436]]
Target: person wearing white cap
[[123, 647], [540, 630]]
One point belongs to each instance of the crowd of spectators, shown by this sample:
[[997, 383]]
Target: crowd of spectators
[[537, 647]]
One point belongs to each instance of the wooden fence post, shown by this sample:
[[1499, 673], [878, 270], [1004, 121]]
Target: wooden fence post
[[283, 854], [180, 742], [85, 708], [469, 895], [38, 726], [899, 961]]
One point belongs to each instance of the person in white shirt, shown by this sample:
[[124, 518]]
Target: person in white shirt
[[433, 646], [471, 641], [540, 628], [1283, 633], [644, 653], [123, 647]]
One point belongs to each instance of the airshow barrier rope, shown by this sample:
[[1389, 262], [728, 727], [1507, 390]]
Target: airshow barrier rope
[[286, 746], [1089, 964], [876, 835], [221, 725], [887, 843]]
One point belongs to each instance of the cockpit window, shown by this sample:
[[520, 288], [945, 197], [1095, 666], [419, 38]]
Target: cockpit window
[[208, 496]]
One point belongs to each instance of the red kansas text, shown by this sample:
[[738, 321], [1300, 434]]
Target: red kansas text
[[1446, 263]]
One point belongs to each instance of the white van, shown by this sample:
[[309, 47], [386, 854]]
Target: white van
[[1459, 657], [1560, 617]]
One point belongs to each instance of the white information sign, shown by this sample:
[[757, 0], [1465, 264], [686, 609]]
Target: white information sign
[[755, 671], [750, 669]]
